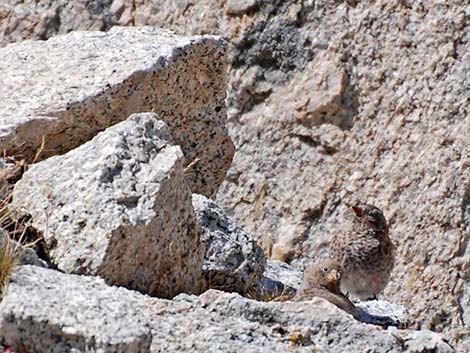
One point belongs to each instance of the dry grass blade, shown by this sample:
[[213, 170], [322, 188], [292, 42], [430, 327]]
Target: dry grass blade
[[191, 165], [10, 250], [275, 296], [40, 149], [259, 203], [8, 261]]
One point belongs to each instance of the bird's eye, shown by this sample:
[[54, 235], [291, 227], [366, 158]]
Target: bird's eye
[[325, 269]]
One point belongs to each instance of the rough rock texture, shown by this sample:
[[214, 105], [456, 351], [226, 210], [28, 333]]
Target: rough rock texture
[[394, 133], [11, 170], [390, 128], [63, 91], [279, 279], [334, 102], [48, 311], [119, 207], [382, 312], [41, 19], [233, 261]]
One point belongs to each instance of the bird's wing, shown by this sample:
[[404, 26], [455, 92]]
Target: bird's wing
[[307, 293], [340, 300]]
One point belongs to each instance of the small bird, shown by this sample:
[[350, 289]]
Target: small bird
[[323, 280], [366, 253]]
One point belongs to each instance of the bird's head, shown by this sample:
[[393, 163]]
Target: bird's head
[[329, 273], [370, 215]]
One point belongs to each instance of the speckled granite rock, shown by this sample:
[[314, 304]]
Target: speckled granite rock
[[279, 279], [48, 311], [64, 90], [233, 261], [119, 207], [41, 19], [399, 139], [384, 313], [239, 7]]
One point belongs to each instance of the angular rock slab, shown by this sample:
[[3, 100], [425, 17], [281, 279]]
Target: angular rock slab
[[48, 311], [233, 261], [119, 207], [62, 92]]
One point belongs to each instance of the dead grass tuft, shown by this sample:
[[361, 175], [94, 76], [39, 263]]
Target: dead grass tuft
[[14, 233], [8, 262], [276, 296]]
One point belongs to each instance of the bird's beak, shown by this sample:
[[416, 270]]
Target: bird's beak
[[357, 210], [334, 277]]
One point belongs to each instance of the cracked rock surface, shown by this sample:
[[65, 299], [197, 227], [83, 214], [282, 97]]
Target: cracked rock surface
[[332, 102], [58, 94], [48, 311], [118, 206], [233, 261]]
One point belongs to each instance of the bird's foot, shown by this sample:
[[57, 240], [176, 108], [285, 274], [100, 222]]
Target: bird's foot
[[374, 297]]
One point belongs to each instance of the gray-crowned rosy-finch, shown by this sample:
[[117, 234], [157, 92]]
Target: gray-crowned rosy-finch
[[323, 280], [366, 253]]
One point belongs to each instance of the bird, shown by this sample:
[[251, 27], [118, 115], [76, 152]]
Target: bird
[[366, 253], [323, 280]]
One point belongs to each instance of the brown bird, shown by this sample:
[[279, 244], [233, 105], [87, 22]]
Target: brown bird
[[366, 253], [323, 280]]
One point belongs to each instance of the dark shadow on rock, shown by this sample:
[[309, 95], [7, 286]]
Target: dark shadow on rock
[[384, 321], [465, 209], [344, 118], [271, 289], [382, 313], [350, 104], [279, 280]]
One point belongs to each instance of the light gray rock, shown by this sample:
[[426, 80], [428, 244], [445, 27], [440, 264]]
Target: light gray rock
[[279, 279], [233, 260], [48, 311], [41, 19], [322, 113], [398, 138], [119, 207], [59, 93], [382, 312], [425, 341], [239, 7], [6, 165]]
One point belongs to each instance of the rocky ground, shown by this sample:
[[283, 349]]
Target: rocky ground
[[327, 103]]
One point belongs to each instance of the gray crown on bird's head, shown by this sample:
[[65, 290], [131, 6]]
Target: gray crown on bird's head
[[371, 215]]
